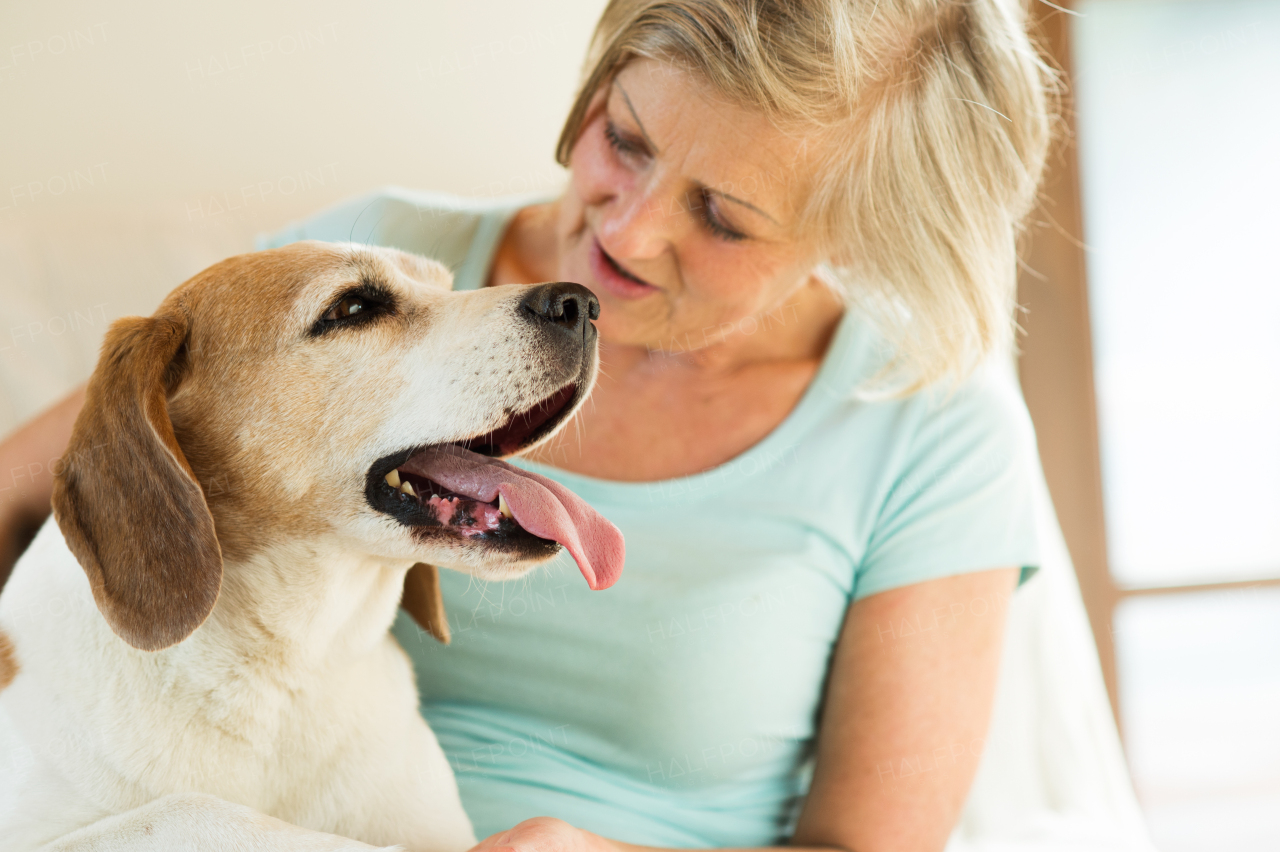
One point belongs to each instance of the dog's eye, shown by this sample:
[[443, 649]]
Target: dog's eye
[[355, 307], [349, 306]]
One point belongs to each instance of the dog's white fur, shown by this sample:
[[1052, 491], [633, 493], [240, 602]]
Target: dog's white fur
[[288, 720]]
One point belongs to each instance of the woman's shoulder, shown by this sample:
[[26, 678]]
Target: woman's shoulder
[[986, 399], [439, 225], [961, 478], [964, 427]]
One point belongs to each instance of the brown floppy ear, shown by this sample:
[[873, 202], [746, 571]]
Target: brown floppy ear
[[422, 600], [126, 499]]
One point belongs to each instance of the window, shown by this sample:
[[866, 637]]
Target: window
[[1152, 369]]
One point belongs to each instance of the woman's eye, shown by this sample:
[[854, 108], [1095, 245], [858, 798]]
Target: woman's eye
[[713, 223], [620, 144], [710, 219]]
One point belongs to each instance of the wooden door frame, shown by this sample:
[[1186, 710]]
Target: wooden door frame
[[1056, 367], [1056, 361]]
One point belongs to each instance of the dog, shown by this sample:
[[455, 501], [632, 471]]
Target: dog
[[195, 651]]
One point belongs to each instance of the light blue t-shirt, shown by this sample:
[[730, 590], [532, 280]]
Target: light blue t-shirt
[[679, 707]]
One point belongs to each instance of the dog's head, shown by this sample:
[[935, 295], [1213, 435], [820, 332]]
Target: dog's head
[[326, 391]]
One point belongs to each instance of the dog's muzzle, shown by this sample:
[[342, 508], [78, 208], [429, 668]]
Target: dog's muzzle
[[461, 489]]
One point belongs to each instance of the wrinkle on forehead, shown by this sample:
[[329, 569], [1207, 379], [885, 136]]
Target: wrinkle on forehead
[[713, 141]]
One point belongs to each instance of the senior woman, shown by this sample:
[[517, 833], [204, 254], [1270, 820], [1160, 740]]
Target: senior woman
[[799, 218]]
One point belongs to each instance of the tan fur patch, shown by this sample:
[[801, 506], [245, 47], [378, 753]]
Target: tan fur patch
[[152, 560], [227, 422], [423, 601], [246, 378], [8, 662]]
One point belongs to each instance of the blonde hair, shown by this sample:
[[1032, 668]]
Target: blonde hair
[[933, 118]]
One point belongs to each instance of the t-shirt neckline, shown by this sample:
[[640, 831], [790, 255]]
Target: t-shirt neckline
[[834, 381]]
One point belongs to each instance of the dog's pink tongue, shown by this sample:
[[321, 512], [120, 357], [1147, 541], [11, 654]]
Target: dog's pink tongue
[[542, 506]]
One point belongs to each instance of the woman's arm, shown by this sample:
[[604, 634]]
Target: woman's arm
[[905, 715], [28, 458]]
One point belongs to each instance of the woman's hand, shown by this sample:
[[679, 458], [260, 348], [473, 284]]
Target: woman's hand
[[545, 834]]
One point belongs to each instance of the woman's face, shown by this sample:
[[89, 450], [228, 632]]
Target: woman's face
[[679, 212]]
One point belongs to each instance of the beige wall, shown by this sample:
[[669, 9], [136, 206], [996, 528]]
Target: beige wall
[[277, 108], [140, 143]]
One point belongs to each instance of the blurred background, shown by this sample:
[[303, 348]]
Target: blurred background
[[143, 141]]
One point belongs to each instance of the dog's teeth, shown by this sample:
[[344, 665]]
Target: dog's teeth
[[393, 478], [407, 489], [503, 507]]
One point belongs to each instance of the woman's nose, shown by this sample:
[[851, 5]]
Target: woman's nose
[[637, 226]]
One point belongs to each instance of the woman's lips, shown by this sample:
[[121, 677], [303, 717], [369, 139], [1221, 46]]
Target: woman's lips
[[613, 278]]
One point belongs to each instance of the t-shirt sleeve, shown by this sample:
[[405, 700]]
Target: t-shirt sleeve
[[436, 225], [964, 499], [357, 220]]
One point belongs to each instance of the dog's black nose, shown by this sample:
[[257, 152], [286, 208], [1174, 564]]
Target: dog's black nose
[[569, 306]]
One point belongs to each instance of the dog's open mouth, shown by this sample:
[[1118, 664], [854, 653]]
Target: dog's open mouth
[[468, 515], [461, 489]]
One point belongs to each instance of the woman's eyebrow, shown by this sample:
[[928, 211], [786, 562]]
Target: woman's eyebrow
[[726, 196], [639, 123]]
